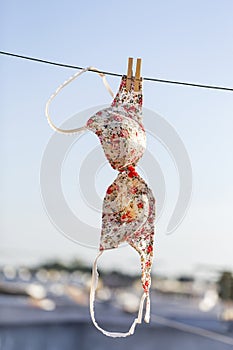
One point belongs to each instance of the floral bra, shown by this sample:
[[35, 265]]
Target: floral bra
[[128, 212]]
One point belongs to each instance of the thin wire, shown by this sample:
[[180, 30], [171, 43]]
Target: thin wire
[[56, 63], [204, 86]]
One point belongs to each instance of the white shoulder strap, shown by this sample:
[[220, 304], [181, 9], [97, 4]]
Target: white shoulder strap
[[137, 320], [72, 131]]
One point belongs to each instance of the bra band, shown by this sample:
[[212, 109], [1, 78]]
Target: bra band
[[138, 320], [73, 77]]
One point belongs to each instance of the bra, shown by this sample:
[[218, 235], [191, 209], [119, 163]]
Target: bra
[[128, 211]]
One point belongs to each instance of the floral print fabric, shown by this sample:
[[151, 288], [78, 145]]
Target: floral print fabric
[[129, 206], [120, 129], [128, 215]]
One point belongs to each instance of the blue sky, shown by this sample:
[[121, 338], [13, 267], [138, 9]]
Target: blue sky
[[177, 40]]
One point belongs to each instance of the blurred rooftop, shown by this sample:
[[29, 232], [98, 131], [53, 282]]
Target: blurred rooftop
[[48, 308]]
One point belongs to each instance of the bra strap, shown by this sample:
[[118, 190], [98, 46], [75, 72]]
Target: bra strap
[[73, 77], [94, 283]]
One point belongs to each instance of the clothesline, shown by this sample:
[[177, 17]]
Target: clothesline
[[165, 81]]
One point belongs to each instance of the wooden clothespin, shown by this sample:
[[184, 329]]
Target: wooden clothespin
[[137, 75], [130, 74]]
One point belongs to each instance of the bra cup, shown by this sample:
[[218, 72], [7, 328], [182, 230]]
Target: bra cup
[[123, 139], [128, 216], [126, 209]]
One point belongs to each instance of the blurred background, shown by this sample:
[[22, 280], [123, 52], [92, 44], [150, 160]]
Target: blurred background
[[44, 276]]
